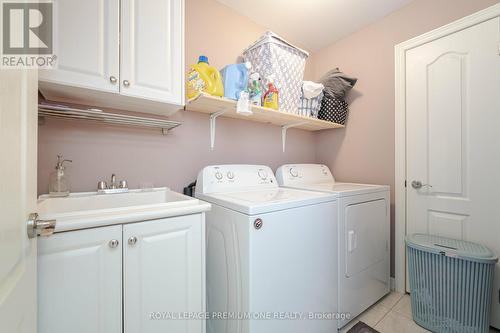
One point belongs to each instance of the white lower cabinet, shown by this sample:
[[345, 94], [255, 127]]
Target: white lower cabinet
[[164, 275], [80, 281], [160, 262]]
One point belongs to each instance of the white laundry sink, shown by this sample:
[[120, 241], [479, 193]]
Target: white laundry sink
[[89, 209]]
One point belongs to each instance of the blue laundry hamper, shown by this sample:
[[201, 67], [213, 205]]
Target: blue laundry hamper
[[451, 283]]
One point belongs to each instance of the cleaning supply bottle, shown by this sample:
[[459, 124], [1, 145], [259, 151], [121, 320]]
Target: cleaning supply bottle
[[59, 185], [235, 78], [204, 78], [271, 96], [255, 89]]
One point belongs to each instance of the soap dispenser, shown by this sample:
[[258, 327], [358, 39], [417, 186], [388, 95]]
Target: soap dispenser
[[58, 182]]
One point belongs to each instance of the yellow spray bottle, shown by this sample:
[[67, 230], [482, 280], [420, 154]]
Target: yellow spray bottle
[[271, 96]]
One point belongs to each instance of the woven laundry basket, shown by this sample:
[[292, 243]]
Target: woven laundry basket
[[450, 283]]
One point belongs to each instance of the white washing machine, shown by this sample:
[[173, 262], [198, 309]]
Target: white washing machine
[[363, 234], [271, 261]]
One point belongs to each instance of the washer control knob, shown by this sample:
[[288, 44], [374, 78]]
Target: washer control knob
[[263, 174], [218, 175], [230, 175], [294, 172]]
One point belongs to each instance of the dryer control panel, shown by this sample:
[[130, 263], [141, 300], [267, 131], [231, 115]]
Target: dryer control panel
[[234, 178], [293, 174]]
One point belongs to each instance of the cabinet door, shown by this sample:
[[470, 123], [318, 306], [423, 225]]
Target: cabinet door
[[164, 274], [86, 43], [152, 44], [80, 282]]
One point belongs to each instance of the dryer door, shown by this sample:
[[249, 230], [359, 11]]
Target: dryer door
[[365, 235]]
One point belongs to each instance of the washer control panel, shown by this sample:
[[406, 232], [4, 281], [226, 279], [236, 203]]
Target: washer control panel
[[235, 177], [290, 174]]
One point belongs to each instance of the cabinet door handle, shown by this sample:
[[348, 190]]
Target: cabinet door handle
[[132, 240], [113, 79], [113, 243], [126, 83]]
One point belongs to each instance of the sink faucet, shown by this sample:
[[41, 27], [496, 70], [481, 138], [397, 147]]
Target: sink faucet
[[103, 188]]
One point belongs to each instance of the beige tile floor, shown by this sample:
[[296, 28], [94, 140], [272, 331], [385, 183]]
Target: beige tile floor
[[392, 314]]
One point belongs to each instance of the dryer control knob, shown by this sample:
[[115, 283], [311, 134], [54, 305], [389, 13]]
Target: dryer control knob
[[263, 174], [230, 175], [218, 175], [294, 172]]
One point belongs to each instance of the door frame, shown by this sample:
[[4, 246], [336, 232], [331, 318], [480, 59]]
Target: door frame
[[400, 127]]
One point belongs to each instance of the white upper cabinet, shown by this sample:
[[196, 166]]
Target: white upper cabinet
[[86, 43], [126, 54], [151, 53]]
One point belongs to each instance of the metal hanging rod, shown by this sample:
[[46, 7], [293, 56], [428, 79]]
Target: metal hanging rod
[[65, 112]]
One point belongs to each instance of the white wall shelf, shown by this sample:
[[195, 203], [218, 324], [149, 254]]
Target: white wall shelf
[[218, 106]]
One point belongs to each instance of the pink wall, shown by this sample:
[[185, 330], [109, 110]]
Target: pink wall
[[220, 33], [364, 150], [174, 160]]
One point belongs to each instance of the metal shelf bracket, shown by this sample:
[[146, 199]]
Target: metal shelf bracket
[[213, 119], [284, 128]]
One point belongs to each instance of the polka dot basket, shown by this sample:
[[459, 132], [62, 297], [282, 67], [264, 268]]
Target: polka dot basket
[[333, 109]]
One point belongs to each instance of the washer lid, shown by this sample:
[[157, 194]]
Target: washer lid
[[344, 189], [317, 177], [268, 200], [451, 248]]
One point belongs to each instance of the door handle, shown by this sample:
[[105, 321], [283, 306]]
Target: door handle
[[417, 184], [37, 227]]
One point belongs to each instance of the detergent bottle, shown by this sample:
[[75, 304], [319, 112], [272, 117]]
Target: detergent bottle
[[271, 96], [235, 78], [204, 78]]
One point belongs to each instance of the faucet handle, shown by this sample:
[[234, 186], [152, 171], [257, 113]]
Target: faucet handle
[[102, 185]]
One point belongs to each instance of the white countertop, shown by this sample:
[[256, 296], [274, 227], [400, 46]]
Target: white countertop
[[91, 210]]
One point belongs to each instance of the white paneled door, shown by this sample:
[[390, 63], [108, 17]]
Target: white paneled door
[[453, 138], [18, 135]]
